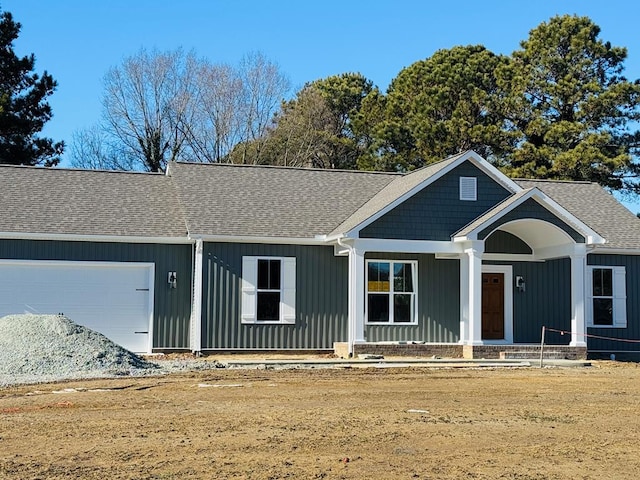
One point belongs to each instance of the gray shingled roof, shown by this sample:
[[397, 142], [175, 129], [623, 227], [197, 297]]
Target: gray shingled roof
[[252, 201], [595, 207], [88, 202], [392, 192], [263, 201]]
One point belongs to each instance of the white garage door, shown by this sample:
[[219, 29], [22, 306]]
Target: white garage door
[[115, 299]]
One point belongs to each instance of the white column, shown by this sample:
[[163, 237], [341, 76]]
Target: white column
[[464, 299], [356, 297], [474, 275], [196, 303], [578, 328]]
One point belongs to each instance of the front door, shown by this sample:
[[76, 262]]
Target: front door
[[493, 306]]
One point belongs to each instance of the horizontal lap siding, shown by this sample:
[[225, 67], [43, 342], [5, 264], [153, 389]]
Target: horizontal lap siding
[[438, 303], [436, 212], [546, 300], [321, 299], [171, 308], [632, 332]]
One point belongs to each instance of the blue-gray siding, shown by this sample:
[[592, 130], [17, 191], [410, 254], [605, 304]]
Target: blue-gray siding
[[321, 299], [632, 332], [532, 209], [436, 212], [546, 300], [172, 307], [438, 303]]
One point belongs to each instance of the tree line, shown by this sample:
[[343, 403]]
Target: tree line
[[559, 107]]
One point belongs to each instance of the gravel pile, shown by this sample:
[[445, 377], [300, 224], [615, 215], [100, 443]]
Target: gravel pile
[[46, 348]]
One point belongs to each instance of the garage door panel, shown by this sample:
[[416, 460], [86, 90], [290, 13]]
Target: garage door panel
[[112, 298]]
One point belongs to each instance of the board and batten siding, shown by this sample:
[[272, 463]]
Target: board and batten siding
[[504, 242], [171, 307], [632, 331], [436, 212], [438, 302], [546, 300], [321, 299]]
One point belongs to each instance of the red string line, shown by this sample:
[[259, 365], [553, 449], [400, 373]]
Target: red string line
[[562, 332]]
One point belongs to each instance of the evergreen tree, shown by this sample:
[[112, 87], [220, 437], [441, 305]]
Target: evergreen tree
[[23, 104], [570, 107]]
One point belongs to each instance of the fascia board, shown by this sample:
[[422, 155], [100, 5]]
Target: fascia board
[[93, 238], [604, 250], [252, 239]]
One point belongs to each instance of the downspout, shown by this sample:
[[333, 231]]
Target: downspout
[[351, 320], [196, 299]]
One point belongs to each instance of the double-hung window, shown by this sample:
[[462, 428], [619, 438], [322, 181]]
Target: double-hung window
[[268, 290], [391, 291], [606, 297]]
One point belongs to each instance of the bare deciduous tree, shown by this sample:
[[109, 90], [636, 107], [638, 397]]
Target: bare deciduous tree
[[164, 106]]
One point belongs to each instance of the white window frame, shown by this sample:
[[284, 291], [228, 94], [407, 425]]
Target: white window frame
[[468, 189], [619, 296], [391, 293], [249, 303]]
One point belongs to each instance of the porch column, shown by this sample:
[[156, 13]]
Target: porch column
[[464, 299], [578, 262], [196, 303], [356, 296], [474, 292]]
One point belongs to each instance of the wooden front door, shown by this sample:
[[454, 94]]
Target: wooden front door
[[493, 306]]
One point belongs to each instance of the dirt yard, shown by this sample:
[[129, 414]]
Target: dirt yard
[[335, 424]]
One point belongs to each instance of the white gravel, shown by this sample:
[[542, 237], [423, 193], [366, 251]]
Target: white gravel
[[48, 348]]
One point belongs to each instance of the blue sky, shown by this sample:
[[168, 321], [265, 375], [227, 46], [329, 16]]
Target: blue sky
[[77, 41]]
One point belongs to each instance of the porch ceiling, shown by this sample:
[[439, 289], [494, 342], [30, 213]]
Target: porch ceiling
[[538, 234]]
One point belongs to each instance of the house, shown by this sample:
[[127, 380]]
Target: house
[[452, 259]]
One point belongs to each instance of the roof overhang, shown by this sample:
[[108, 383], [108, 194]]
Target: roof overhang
[[93, 238], [317, 240]]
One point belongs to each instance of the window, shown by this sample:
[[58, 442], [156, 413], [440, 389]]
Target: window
[[606, 297], [268, 290], [468, 188], [391, 288]]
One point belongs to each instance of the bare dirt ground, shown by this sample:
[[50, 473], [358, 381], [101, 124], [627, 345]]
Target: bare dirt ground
[[425, 423]]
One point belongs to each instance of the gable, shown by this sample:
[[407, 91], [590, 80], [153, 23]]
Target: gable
[[531, 209], [436, 211]]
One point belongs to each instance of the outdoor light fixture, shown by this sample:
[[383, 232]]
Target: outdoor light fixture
[[172, 279], [520, 285]]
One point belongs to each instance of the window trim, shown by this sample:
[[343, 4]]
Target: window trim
[[391, 293], [249, 291], [468, 189], [619, 297]]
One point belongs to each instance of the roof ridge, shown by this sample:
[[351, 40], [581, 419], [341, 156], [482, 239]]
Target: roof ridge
[[71, 169], [551, 180], [287, 167]]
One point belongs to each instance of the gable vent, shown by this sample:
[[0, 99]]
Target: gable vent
[[468, 188]]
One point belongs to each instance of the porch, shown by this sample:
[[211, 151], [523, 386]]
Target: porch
[[439, 350]]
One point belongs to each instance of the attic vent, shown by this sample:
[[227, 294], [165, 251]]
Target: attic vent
[[468, 188]]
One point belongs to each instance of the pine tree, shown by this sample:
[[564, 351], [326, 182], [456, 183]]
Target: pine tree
[[23, 104]]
